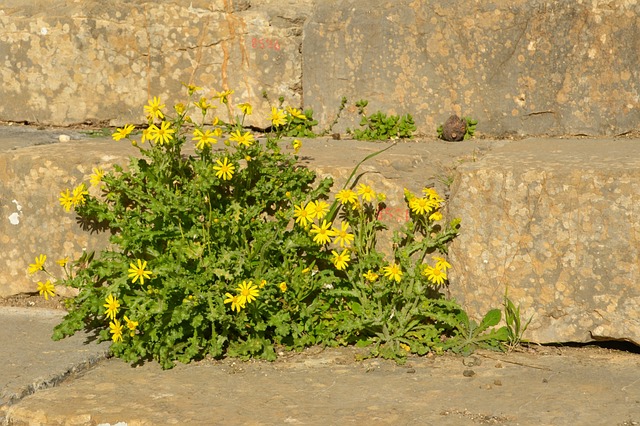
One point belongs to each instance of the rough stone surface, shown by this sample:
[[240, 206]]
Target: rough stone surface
[[32, 220], [68, 62], [557, 222], [31, 361], [525, 67]]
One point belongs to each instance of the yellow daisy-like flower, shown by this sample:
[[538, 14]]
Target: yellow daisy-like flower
[[343, 237], [145, 135], [63, 262], [115, 328], [77, 197], [283, 286], [139, 272], [435, 275], [162, 134], [245, 139], [341, 260], [431, 193], [204, 139], [154, 109], [435, 216], [441, 263], [262, 283], [46, 289], [131, 325], [247, 292], [66, 200], [393, 272], [323, 232], [112, 305], [347, 196], [296, 113], [303, 214], [319, 208], [366, 192], [235, 301], [420, 205], [203, 105], [191, 88], [370, 276], [223, 96], [97, 176], [246, 108], [278, 118], [123, 133], [297, 144], [38, 265], [224, 169]]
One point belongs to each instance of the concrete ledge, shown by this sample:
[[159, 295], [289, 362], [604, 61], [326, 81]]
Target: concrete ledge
[[557, 222]]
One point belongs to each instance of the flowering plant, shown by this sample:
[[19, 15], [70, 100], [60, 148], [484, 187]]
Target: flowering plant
[[235, 249]]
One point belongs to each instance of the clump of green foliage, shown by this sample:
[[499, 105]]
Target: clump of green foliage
[[380, 126], [236, 249]]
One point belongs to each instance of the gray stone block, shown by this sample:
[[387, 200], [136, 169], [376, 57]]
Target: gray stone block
[[557, 222]]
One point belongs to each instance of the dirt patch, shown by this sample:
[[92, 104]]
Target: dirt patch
[[32, 300]]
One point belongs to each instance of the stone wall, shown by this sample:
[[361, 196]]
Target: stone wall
[[520, 67], [557, 223]]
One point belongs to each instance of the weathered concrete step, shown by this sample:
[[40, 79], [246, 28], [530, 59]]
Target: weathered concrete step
[[31, 361], [557, 223]]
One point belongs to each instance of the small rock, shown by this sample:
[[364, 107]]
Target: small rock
[[497, 382], [454, 129], [468, 373], [64, 138]]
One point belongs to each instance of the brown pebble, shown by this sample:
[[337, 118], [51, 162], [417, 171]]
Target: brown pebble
[[545, 381], [498, 365], [468, 373], [411, 370], [497, 382]]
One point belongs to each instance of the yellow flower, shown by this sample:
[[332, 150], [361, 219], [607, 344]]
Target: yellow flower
[[262, 283], [435, 275], [435, 216], [278, 117], [247, 292], [63, 262], [420, 205], [66, 200], [46, 289], [123, 133], [235, 301], [343, 238], [318, 208], [115, 328], [341, 260], [145, 135], [78, 194], [203, 105], [191, 88], [154, 109], [245, 139], [405, 347], [296, 145], [224, 169], [366, 192], [283, 286], [370, 276], [162, 134], [179, 108], [381, 197], [204, 139], [323, 232], [393, 272], [96, 177], [246, 108], [223, 96], [138, 272], [347, 196], [441, 263], [431, 193], [38, 265], [303, 214], [131, 325], [112, 306], [296, 113]]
